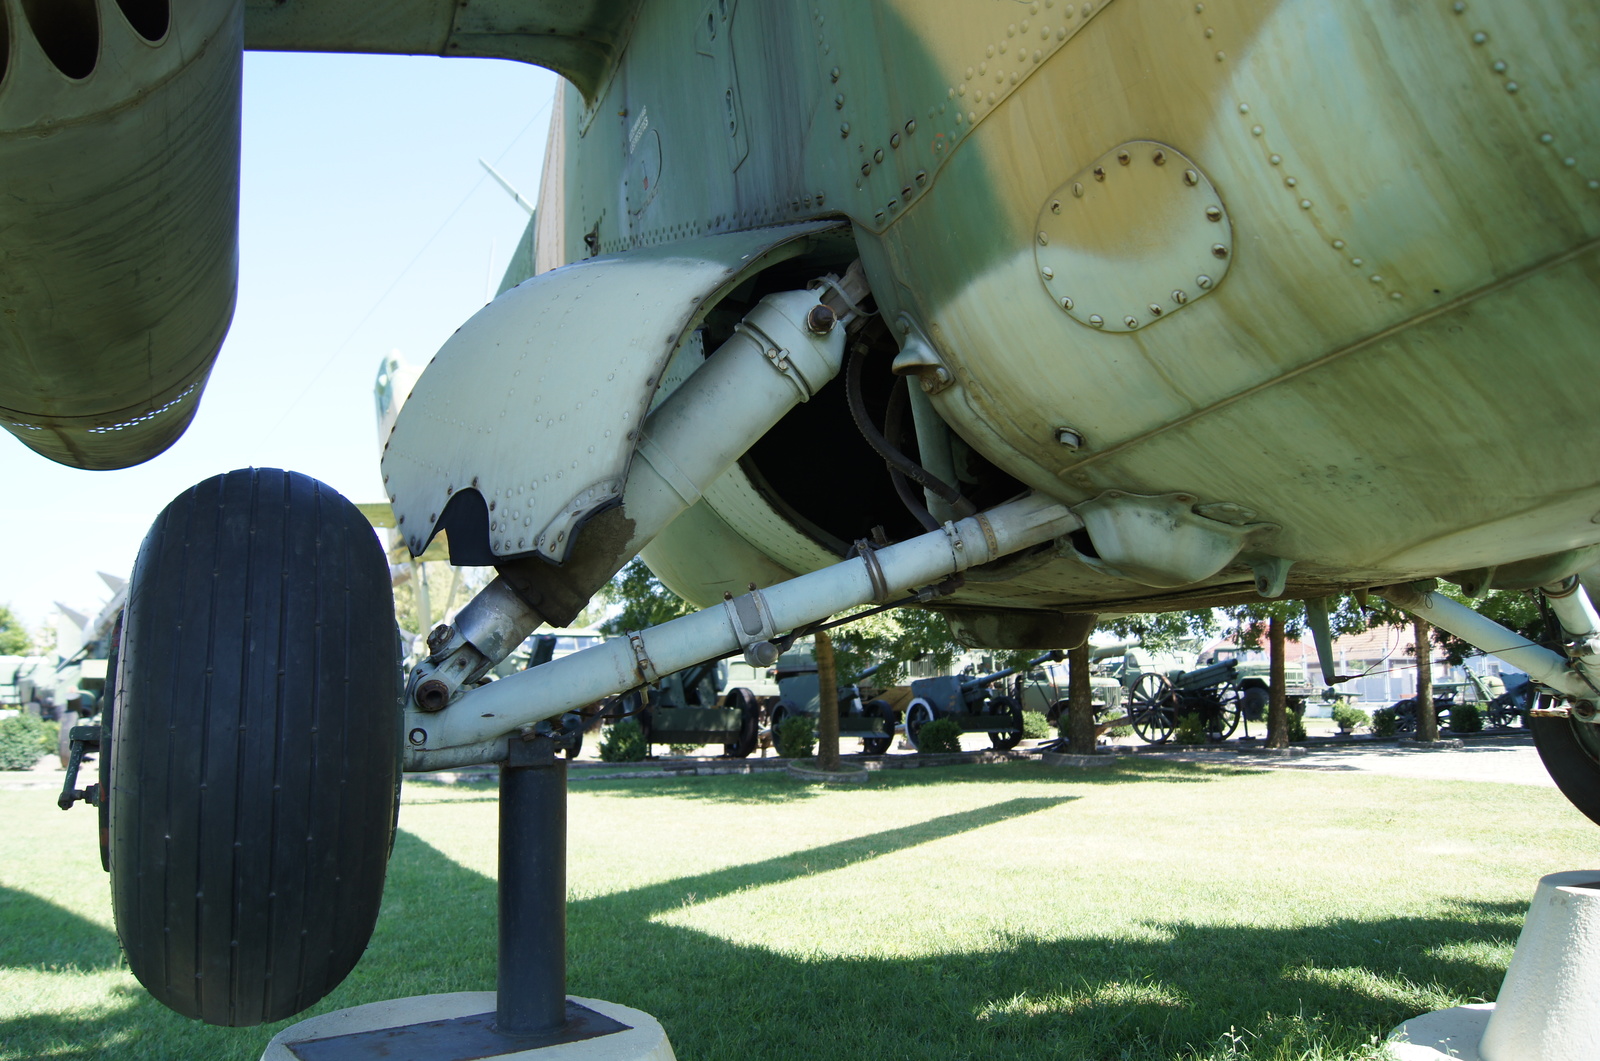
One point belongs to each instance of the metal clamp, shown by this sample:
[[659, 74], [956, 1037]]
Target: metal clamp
[[641, 658], [751, 621], [957, 547], [777, 356], [880, 581]]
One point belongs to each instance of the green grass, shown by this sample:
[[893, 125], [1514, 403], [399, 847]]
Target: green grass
[[1152, 911]]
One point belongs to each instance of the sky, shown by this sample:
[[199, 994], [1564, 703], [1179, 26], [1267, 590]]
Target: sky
[[366, 225]]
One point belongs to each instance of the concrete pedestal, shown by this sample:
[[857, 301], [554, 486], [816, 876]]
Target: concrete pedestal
[[1545, 1010], [420, 1029]]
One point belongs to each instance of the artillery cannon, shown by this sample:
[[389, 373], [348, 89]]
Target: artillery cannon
[[689, 707], [1157, 701], [799, 694], [972, 703]]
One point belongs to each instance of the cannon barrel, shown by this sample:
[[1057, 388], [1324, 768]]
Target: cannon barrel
[[1215, 674], [1055, 655], [864, 675], [1109, 652], [119, 146]]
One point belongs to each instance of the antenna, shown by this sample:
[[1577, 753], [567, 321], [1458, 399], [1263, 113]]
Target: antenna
[[507, 186]]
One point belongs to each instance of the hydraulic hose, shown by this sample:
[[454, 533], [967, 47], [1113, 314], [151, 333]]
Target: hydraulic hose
[[891, 455]]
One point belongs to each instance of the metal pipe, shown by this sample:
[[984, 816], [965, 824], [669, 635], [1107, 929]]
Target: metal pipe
[[531, 987], [584, 677], [1573, 610], [1548, 668]]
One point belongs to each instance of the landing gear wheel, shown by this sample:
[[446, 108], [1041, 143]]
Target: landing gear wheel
[[1571, 752], [749, 722], [918, 714], [1006, 739], [879, 709], [108, 703], [1151, 710], [256, 748]]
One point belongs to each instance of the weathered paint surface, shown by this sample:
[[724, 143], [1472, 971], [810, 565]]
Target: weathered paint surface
[[1383, 355], [1390, 363]]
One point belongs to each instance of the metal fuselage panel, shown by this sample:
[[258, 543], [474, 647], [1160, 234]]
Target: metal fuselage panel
[[1393, 368]]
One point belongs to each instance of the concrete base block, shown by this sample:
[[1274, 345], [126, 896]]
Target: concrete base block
[[643, 1040], [1451, 1034], [1068, 759], [847, 774], [1545, 1010]]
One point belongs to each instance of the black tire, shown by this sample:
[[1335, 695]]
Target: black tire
[[1571, 752], [1006, 739], [108, 701], [256, 749], [749, 722], [879, 709]]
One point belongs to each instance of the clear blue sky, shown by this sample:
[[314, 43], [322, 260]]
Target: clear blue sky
[[366, 225]]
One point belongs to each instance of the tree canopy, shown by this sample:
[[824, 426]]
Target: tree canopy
[[14, 637]]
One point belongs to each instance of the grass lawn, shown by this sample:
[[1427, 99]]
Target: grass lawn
[[1151, 911]]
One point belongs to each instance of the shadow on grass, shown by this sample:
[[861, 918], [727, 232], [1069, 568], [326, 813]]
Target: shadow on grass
[[1173, 990], [37, 934], [779, 787]]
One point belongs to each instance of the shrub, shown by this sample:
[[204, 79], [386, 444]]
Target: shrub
[[940, 735], [1464, 718], [1297, 722], [1351, 718], [23, 742], [623, 743], [1191, 729], [1383, 721], [682, 749], [1036, 726], [797, 736]]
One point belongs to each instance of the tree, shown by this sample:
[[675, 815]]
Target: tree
[[1159, 631], [644, 600], [1427, 718], [892, 640], [14, 639], [1080, 701], [827, 702]]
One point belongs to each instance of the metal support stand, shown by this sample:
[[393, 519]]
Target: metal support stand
[[532, 983], [532, 1016]]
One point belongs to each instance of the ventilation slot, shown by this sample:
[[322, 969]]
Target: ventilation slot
[[147, 17], [69, 33]]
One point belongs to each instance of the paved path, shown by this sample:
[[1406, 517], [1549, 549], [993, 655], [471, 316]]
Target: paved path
[[1511, 760]]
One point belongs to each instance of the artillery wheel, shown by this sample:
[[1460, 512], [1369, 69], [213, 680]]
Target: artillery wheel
[[1151, 710], [1006, 739], [1221, 723], [256, 748], [749, 722], [879, 745], [1571, 752], [918, 714], [1405, 718]]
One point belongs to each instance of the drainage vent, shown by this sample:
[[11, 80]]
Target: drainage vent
[[69, 33], [148, 18]]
